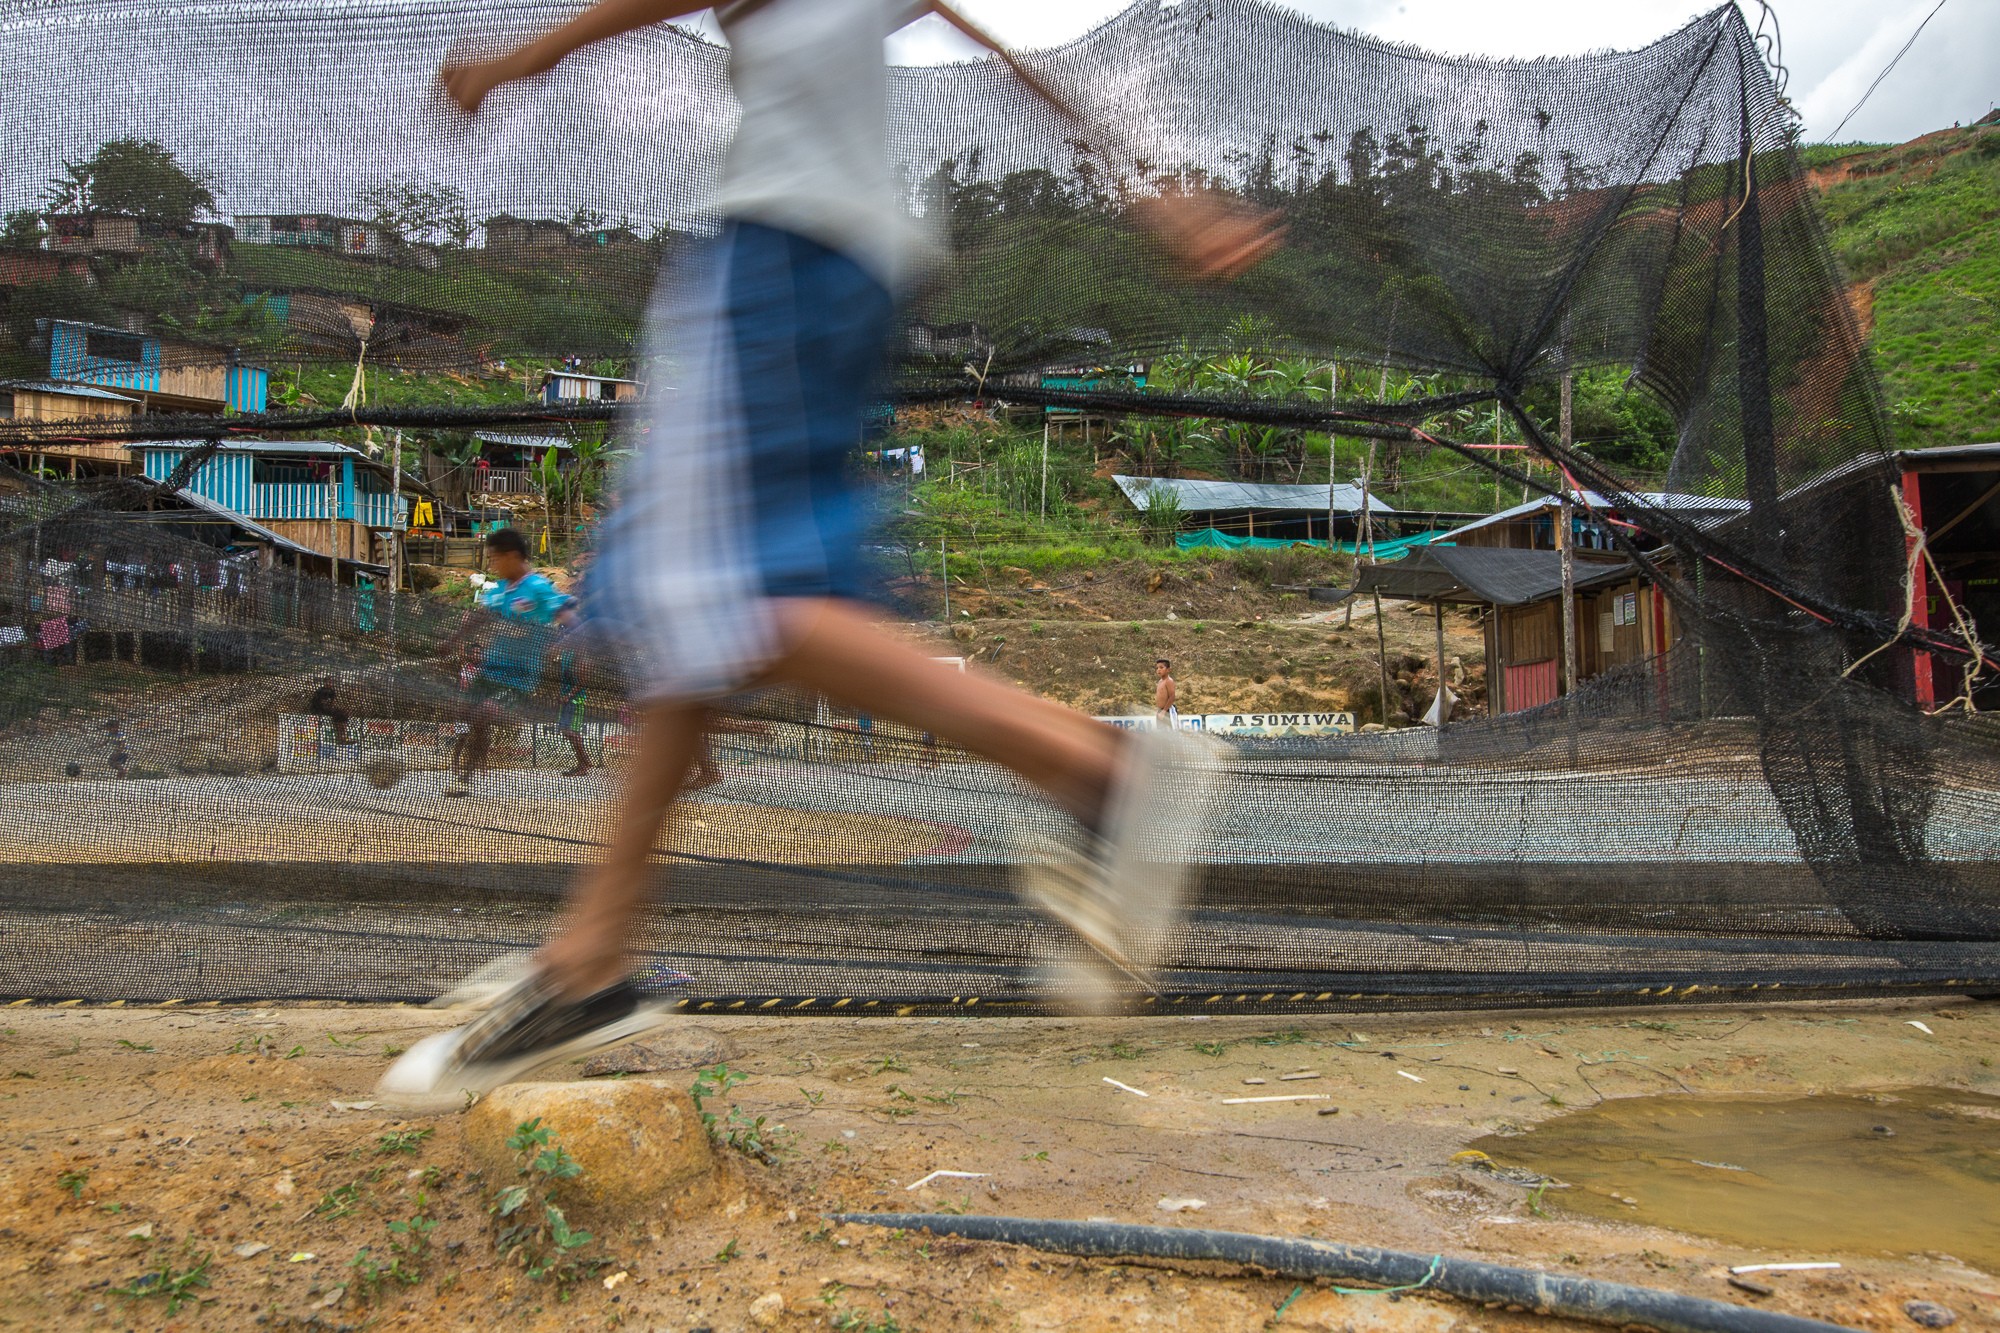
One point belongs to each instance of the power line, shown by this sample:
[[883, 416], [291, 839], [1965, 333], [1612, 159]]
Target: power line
[[1835, 136]]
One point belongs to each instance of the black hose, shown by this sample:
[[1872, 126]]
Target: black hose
[[1544, 1293]]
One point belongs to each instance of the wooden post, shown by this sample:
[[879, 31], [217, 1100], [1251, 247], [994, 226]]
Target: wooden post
[[944, 578], [1045, 465], [1444, 686], [1567, 545], [1367, 532], [1382, 656], [333, 521], [395, 532], [1332, 454]]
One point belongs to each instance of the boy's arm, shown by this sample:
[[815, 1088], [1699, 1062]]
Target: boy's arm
[[1211, 236], [458, 636], [468, 85]]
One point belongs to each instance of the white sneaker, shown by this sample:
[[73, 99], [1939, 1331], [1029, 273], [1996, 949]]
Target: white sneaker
[[1123, 897], [1159, 808], [488, 983], [523, 1028]]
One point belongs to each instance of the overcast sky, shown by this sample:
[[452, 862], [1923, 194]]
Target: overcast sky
[[1834, 48]]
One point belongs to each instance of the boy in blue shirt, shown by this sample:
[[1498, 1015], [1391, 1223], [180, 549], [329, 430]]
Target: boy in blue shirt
[[522, 608]]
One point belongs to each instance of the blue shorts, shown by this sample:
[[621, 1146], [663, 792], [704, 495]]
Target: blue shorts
[[741, 490]]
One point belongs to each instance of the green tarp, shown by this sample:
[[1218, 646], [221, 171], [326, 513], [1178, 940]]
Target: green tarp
[[1222, 541]]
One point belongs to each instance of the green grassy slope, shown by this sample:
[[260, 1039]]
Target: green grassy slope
[[1918, 227]]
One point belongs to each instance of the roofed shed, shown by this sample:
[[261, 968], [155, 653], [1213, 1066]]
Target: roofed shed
[[1259, 509], [1524, 631]]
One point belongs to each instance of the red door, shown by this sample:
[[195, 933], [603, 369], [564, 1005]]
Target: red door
[[1531, 686]]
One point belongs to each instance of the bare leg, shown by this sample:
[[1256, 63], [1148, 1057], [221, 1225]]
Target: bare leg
[[839, 650], [582, 756], [479, 739], [706, 774], [589, 952]]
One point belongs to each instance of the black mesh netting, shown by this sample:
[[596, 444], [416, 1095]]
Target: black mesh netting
[[1756, 808]]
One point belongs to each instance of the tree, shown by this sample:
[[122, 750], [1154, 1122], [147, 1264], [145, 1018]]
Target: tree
[[414, 212], [23, 227], [135, 177]]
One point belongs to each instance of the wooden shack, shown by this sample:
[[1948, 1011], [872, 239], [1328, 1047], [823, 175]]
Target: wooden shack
[[1619, 617]]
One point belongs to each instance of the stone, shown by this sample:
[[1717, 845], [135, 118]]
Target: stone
[[674, 1048], [766, 1310], [1930, 1314], [640, 1143]]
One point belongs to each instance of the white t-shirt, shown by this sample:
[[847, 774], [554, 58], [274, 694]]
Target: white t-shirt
[[811, 152]]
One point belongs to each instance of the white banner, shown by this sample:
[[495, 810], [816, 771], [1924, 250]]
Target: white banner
[[1249, 724]]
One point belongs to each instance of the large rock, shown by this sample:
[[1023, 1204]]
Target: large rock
[[671, 1048], [640, 1142]]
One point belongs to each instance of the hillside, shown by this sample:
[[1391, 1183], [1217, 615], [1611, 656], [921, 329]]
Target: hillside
[[1914, 229]]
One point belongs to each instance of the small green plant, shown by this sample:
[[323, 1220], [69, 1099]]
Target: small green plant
[[860, 1321], [812, 1098], [533, 1231], [1125, 1050], [727, 1252], [391, 1052], [949, 1099], [411, 1238], [409, 1247], [1211, 1047], [1291, 1038], [738, 1129], [1535, 1199], [175, 1284], [295, 1052], [133, 1045], [892, 1064], [402, 1140], [344, 1045], [73, 1181], [339, 1202]]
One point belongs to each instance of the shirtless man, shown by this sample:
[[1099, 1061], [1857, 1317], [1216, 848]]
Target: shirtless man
[[1164, 712]]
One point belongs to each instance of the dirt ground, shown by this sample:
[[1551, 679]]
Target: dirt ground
[[1291, 662], [226, 1141]]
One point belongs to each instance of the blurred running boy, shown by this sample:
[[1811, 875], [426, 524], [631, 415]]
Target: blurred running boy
[[520, 608], [733, 556]]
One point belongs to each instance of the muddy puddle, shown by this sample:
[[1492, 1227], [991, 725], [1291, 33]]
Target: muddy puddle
[[1905, 1172]]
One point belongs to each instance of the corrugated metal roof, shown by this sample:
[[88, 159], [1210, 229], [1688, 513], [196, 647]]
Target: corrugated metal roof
[[521, 441], [1588, 500], [260, 446], [1495, 574], [72, 390], [262, 533], [1197, 496], [1956, 452]]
